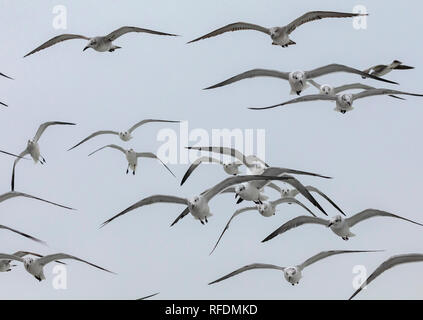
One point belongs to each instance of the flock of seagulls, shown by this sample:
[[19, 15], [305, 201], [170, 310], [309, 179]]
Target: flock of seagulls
[[248, 176]]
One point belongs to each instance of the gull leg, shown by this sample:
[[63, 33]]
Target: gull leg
[[202, 222]]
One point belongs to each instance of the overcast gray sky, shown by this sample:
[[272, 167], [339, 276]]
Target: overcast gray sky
[[373, 152]]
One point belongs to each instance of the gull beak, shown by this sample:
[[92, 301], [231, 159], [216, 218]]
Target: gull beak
[[330, 224], [236, 195], [239, 201], [85, 48]]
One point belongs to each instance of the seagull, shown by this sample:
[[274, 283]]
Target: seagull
[[280, 35], [100, 44], [293, 193], [125, 135], [3, 75], [22, 234], [266, 209], [344, 101], [388, 264], [5, 265], [198, 206], [292, 274], [330, 90], [14, 194], [35, 266], [296, 79], [338, 225], [33, 148], [132, 157], [382, 69]]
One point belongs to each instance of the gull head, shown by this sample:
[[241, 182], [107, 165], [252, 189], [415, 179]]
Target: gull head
[[91, 44], [125, 136], [275, 32], [266, 209], [335, 221], [239, 189], [292, 275], [297, 81], [28, 261], [326, 89], [231, 168], [194, 203], [347, 99]]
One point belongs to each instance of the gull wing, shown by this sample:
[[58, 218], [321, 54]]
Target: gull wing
[[57, 39], [237, 26], [252, 74], [296, 222], [95, 134]]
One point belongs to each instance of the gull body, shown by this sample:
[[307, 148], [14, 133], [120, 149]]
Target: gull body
[[292, 274], [33, 148], [297, 79], [100, 43], [132, 157], [337, 224], [280, 35]]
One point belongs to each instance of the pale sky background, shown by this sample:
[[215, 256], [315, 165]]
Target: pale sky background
[[373, 152]]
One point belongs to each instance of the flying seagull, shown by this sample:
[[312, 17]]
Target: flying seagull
[[22, 234], [36, 266], [344, 101], [5, 264], [297, 79], [100, 44], [14, 194], [125, 135], [280, 35], [266, 209], [382, 69], [331, 90], [33, 148], [198, 206], [388, 264], [292, 274], [132, 157], [338, 225]]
